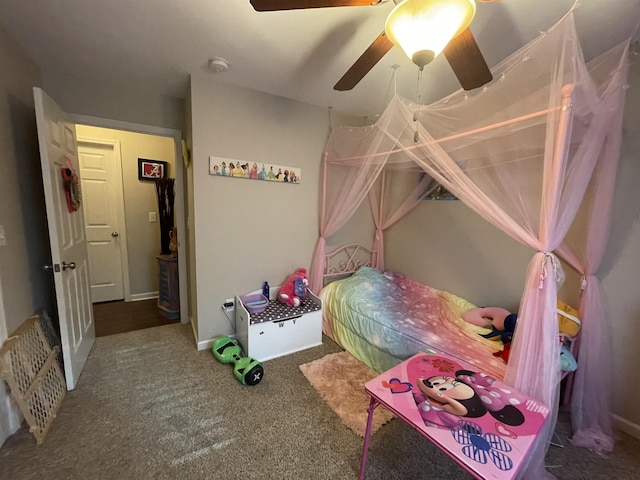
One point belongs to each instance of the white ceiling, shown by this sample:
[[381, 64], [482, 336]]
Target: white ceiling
[[155, 44]]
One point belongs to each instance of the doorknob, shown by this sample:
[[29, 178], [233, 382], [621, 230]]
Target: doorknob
[[47, 268], [70, 265], [114, 234]]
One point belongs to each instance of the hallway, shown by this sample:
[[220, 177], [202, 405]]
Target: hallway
[[120, 316]]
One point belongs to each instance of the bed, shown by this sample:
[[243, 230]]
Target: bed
[[383, 318]]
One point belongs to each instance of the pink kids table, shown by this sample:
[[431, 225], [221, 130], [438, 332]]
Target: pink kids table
[[484, 425]]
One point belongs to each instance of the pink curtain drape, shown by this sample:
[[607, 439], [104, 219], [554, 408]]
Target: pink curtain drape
[[385, 218], [583, 248], [535, 352], [335, 215], [521, 153]]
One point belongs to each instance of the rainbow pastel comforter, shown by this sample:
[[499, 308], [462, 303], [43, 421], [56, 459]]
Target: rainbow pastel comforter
[[385, 318]]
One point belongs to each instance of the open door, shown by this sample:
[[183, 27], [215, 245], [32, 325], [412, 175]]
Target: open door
[[70, 264]]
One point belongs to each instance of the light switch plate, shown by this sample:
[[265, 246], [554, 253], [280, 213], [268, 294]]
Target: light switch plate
[[153, 217], [3, 239]]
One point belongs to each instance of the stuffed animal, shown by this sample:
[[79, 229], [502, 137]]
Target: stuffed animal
[[501, 322], [294, 290], [487, 317]]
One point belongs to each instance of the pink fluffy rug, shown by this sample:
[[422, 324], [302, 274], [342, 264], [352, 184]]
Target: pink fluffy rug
[[339, 379]]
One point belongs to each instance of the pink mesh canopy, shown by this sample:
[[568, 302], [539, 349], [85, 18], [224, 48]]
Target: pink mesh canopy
[[535, 153]]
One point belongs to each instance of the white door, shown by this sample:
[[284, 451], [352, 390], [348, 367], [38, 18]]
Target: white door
[[56, 138], [102, 198]]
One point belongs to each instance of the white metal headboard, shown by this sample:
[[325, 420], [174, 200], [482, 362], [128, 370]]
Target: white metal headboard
[[345, 260]]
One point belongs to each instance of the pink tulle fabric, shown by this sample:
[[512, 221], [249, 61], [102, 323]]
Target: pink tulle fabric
[[535, 154]]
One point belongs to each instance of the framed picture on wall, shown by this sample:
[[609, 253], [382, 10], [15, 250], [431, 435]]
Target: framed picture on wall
[[151, 169]]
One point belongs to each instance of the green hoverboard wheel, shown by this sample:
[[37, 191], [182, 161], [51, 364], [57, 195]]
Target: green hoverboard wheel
[[247, 370]]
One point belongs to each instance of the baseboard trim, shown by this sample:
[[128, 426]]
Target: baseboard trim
[[206, 344], [195, 334], [136, 297], [626, 426]]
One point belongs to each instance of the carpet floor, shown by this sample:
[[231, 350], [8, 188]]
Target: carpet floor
[[149, 406]]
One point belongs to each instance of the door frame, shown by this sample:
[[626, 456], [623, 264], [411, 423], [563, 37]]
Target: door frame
[[120, 213], [179, 200]]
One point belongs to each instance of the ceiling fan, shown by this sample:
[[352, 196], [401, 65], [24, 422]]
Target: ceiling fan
[[456, 42]]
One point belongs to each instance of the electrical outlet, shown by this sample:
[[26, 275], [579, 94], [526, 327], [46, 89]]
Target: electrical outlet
[[228, 305]]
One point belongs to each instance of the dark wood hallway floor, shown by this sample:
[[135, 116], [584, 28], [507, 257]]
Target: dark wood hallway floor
[[119, 316]]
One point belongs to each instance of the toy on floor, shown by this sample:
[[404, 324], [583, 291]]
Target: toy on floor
[[294, 290], [247, 370]]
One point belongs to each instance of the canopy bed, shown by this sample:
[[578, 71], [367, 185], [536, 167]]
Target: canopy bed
[[534, 153], [383, 318]]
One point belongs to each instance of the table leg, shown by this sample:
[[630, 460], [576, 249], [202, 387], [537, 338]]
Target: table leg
[[367, 435]]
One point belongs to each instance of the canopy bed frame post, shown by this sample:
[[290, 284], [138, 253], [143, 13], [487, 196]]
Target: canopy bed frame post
[[324, 189], [564, 125], [379, 235], [318, 260], [538, 295], [563, 133]]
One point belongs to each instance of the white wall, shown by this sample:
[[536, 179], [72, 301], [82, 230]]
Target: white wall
[[248, 231], [143, 237], [24, 286]]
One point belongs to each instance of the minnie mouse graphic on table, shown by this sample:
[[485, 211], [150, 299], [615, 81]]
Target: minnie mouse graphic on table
[[486, 426]]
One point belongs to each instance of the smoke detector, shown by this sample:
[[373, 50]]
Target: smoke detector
[[218, 65]]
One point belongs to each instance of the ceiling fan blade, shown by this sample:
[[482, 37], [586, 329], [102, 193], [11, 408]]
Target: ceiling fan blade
[[272, 5], [367, 60], [467, 61]]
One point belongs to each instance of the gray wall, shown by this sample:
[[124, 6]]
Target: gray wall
[[620, 271], [107, 101], [24, 286], [248, 231]]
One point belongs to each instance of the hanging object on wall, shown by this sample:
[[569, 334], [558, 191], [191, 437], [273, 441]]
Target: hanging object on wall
[[440, 193], [166, 195], [186, 156], [151, 169], [71, 184], [437, 191], [226, 167]]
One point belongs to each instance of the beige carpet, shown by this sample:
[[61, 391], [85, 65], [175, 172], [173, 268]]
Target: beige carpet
[[339, 379], [149, 406]]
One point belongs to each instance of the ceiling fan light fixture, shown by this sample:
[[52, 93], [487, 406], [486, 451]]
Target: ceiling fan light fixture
[[422, 28], [422, 58]]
